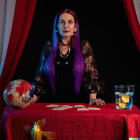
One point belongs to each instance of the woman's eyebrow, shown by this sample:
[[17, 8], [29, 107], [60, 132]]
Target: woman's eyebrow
[[70, 19], [64, 20]]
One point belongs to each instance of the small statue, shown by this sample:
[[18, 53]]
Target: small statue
[[37, 133]]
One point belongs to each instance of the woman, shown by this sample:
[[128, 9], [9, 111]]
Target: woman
[[67, 71]]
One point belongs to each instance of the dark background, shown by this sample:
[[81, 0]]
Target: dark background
[[105, 25]]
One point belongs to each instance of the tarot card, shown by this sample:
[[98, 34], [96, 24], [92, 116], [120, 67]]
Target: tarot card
[[52, 105], [93, 108], [60, 108], [82, 109], [79, 106], [68, 106]]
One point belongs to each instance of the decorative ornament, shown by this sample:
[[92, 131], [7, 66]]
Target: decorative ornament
[[57, 31], [37, 133], [18, 94], [74, 31], [64, 56]]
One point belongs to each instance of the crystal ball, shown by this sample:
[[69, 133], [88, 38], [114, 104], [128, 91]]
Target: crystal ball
[[18, 93]]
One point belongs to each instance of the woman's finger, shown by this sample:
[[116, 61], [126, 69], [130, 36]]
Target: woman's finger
[[100, 102], [97, 102]]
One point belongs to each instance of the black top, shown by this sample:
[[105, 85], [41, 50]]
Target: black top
[[64, 77], [64, 81]]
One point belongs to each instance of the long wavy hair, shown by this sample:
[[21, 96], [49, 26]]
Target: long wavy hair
[[78, 69]]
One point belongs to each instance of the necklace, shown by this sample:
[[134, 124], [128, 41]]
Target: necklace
[[64, 56], [65, 44]]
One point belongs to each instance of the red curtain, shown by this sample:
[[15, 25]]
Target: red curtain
[[133, 21], [24, 11]]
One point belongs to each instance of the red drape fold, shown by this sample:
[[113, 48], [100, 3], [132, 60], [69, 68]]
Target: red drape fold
[[24, 11], [133, 21]]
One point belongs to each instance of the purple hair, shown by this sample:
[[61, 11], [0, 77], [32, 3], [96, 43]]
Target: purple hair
[[49, 66]]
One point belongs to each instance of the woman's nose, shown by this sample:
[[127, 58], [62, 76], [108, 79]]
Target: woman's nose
[[65, 25]]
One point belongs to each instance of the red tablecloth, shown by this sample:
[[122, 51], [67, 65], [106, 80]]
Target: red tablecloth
[[108, 123]]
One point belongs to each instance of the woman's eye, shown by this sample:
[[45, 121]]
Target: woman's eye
[[70, 21], [61, 22]]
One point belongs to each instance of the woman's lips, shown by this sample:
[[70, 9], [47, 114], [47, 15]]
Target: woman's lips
[[65, 31]]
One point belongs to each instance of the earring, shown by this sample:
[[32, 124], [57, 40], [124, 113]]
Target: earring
[[74, 31]]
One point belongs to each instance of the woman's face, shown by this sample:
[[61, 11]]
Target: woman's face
[[66, 25]]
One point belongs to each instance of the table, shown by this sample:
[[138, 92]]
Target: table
[[108, 123]]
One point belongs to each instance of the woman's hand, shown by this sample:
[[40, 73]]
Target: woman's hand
[[97, 101]]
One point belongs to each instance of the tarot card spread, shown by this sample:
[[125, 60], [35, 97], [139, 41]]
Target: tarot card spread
[[64, 107]]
